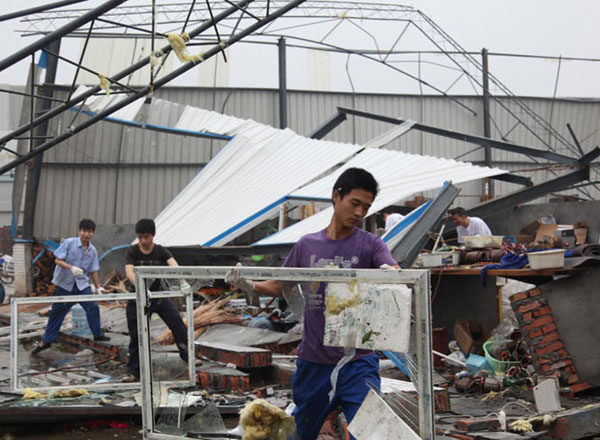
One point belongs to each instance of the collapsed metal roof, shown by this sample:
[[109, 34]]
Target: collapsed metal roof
[[262, 167]]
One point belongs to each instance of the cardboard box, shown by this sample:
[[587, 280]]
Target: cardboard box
[[470, 334], [524, 238], [545, 233]]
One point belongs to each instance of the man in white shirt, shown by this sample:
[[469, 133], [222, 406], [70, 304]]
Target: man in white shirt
[[391, 219], [468, 226]]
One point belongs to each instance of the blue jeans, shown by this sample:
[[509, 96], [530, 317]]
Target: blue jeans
[[60, 310], [311, 386]]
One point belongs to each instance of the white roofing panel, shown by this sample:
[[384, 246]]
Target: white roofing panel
[[400, 175], [236, 188]]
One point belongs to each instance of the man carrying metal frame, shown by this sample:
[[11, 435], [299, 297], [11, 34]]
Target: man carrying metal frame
[[343, 245]]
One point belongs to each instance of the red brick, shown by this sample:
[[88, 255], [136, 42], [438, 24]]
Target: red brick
[[518, 297], [534, 292], [549, 328], [482, 424], [527, 317], [580, 387], [571, 370], [529, 307], [563, 353], [549, 338], [540, 322], [461, 437], [561, 364], [573, 379], [544, 368], [541, 361], [560, 429], [534, 334], [542, 311], [549, 348]]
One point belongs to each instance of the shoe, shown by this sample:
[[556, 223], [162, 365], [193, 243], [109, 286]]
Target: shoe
[[102, 338], [42, 346], [129, 378]]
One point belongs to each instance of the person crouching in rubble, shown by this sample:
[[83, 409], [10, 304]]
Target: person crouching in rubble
[[343, 244], [148, 253], [468, 226], [76, 259]]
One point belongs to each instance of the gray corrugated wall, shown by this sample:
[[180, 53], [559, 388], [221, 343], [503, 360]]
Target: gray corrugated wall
[[117, 174]]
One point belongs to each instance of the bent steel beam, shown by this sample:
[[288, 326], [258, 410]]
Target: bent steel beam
[[480, 140], [416, 237], [147, 89], [60, 32], [116, 77]]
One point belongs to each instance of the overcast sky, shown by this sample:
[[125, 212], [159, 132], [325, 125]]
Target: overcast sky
[[542, 27]]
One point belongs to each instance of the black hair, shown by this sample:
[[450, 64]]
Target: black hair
[[458, 211], [356, 178], [145, 226], [87, 224]]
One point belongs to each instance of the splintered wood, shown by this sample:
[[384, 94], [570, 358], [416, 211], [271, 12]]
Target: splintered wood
[[214, 312], [369, 316]]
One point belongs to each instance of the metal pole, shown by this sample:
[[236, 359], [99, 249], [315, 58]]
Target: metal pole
[[142, 63], [283, 123], [34, 173], [144, 91], [14, 345], [43, 8], [425, 372], [488, 185], [22, 148], [145, 354], [60, 32]]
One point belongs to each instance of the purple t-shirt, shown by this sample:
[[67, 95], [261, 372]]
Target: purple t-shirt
[[360, 250]]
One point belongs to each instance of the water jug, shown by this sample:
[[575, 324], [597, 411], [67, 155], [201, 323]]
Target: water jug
[[79, 321]]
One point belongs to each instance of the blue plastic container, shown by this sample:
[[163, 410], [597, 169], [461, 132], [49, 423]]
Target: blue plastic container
[[80, 323], [477, 363]]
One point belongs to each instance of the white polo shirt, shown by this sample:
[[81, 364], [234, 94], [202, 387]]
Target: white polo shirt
[[476, 227]]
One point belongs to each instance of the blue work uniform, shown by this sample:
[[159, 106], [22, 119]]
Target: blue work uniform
[[71, 251]]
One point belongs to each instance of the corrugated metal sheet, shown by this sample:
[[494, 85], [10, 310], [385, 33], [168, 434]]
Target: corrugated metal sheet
[[241, 186], [400, 175], [121, 162]]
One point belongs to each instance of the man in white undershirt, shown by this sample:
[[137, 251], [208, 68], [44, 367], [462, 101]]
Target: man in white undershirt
[[468, 226], [391, 219]]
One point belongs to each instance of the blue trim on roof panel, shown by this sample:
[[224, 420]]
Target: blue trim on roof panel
[[168, 130], [245, 221]]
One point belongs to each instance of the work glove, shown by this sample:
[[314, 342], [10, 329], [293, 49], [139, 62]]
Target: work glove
[[386, 267], [76, 271], [234, 278], [185, 288], [100, 290]]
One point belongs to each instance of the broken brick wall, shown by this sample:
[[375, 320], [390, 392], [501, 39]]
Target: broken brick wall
[[548, 353]]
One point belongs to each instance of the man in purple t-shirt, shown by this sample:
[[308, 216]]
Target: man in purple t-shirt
[[343, 245]]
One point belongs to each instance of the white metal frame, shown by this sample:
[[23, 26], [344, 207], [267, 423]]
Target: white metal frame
[[417, 279], [14, 340]]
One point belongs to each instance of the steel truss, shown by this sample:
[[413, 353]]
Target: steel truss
[[327, 18], [255, 24]]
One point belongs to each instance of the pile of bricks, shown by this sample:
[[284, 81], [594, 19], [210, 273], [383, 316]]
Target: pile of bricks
[[43, 271], [548, 354]]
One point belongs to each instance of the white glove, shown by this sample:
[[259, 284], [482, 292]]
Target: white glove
[[185, 288], [76, 271], [234, 278], [386, 267], [100, 290]]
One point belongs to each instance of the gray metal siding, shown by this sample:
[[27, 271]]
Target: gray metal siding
[[142, 171]]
